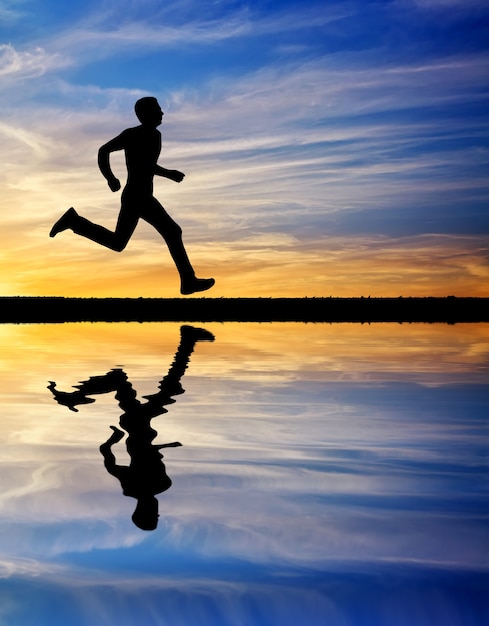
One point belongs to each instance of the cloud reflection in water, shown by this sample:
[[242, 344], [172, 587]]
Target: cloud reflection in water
[[326, 479]]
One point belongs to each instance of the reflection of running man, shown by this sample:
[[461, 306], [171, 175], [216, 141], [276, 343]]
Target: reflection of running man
[[142, 146], [145, 476]]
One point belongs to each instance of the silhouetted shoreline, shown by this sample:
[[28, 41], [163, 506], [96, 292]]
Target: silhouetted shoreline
[[450, 310]]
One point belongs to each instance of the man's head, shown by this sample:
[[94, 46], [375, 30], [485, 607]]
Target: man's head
[[148, 111], [145, 515]]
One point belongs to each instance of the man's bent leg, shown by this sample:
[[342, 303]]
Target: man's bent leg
[[172, 234], [115, 240]]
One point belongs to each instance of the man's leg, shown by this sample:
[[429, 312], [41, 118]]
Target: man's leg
[[172, 234], [170, 385], [115, 240]]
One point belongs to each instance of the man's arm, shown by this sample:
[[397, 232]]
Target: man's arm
[[174, 175], [106, 450], [104, 164]]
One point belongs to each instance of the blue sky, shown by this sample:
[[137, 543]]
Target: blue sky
[[344, 142]]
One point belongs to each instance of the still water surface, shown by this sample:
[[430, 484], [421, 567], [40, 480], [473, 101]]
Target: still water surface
[[327, 475]]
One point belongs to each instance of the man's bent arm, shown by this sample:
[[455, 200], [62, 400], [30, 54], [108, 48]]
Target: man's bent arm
[[106, 450], [171, 174], [104, 163]]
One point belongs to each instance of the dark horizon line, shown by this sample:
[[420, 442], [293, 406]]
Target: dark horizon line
[[60, 309]]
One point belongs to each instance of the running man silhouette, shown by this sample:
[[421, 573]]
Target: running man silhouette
[[142, 146], [145, 477]]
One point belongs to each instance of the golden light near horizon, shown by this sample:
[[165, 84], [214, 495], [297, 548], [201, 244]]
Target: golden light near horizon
[[338, 267], [437, 353]]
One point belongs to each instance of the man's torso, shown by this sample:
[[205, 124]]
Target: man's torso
[[142, 148]]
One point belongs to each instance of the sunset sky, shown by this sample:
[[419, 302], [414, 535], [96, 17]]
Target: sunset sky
[[330, 148]]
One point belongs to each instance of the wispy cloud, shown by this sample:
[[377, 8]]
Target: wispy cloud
[[15, 65]]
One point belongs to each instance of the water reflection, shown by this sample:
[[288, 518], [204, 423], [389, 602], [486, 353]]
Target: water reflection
[[145, 476], [331, 474]]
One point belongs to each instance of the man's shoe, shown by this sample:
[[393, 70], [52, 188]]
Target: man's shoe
[[193, 334], [64, 222], [197, 284]]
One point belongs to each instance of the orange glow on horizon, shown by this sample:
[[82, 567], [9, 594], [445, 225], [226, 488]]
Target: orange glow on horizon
[[249, 349], [334, 267]]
